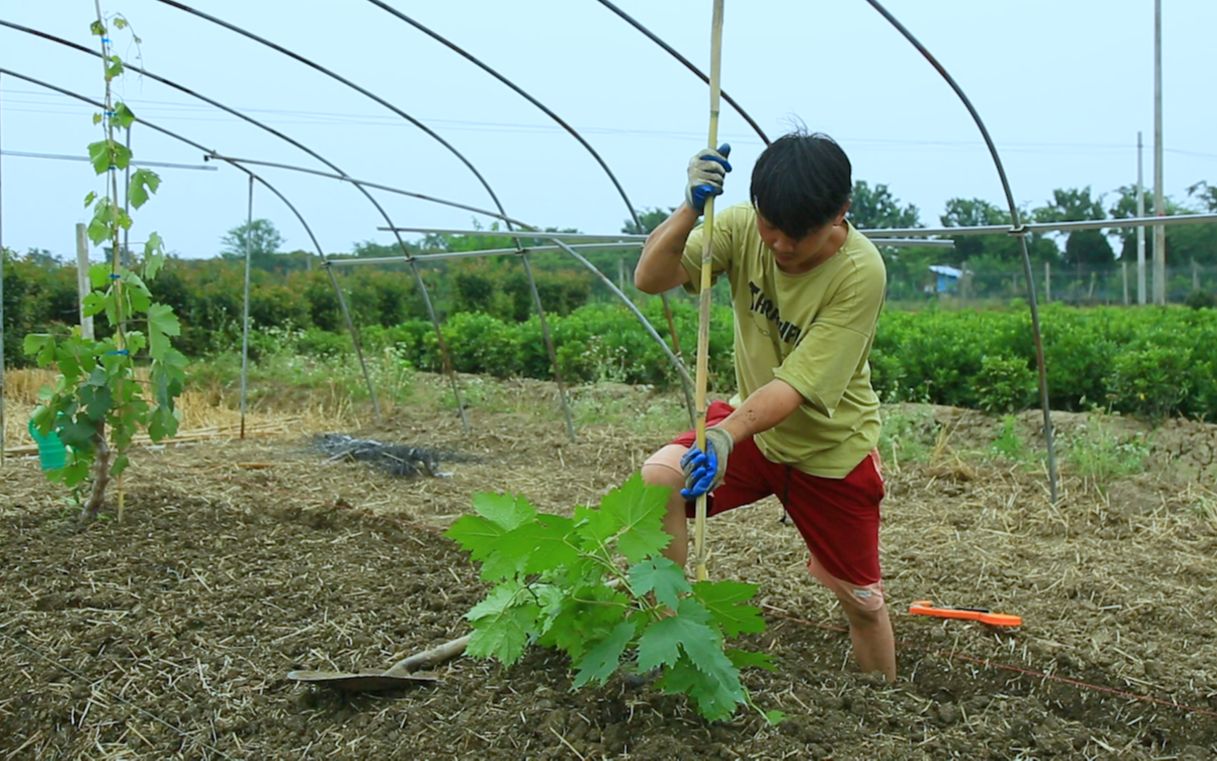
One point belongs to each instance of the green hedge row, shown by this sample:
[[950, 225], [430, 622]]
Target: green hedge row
[[1151, 362], [598, 342]]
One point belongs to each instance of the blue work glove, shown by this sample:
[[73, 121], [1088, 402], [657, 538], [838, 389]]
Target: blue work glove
[[707, 169], [704, 471]]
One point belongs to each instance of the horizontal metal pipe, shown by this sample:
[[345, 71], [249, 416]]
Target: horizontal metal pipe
[[625, 239], [547, 235], [913, 242], [1041, 227], [483, 252], [69, 157], [378, 186]]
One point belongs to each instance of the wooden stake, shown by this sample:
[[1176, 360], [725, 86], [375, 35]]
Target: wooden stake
[[703, 304]]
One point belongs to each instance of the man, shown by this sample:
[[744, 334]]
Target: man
[[807, 289]]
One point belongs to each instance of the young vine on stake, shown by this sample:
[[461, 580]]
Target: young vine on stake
[[596, 587], [98, 403]]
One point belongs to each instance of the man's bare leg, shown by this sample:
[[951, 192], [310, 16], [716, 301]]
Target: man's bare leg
[[658, 472], [870, 631]]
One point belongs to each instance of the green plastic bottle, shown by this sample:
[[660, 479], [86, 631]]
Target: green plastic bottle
[[52, 454]]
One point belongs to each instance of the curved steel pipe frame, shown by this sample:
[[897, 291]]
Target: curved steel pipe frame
[[346, 314], [369, 184], [667, 307], [445, 354], [530, 231], [422, 286], [1017, 229], [308, 230], [627, 18]]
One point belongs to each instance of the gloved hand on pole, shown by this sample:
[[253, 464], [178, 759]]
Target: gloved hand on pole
[[704, 470], [707, 169]]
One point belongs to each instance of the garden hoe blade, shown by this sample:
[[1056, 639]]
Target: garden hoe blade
[[404, 673]]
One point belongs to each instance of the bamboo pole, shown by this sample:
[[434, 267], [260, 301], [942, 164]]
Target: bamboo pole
[[249, 223], [703, 304]]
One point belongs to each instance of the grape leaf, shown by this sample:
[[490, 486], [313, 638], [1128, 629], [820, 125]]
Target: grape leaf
[[144, 182], [661, 643], [544, 543], [154, 255], [531, 547], [502, 624], [638, 511], [479, 536], [743, 659], [661, 576], [602, 658], [506, 510], [100, 156], [586, 614], [99, 275], [715, 700], [123, 117], [94, 303], [725, 602], [162, 322]]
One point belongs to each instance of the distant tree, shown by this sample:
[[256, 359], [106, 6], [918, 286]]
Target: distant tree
[[42, 258], [1205, 194], [264, 240], [1089, 248], [977, 212], [877, 208], [650, 219], [1184, 243], [368, 249]]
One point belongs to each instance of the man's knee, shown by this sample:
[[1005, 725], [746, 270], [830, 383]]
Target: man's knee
[[663, 467], [864, 600], [862, 617]]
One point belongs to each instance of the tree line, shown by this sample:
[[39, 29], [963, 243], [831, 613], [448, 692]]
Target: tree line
[[290, 289]]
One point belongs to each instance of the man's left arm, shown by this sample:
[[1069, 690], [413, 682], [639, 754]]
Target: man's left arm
[[763, 409]]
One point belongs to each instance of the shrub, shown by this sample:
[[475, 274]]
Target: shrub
[[1005, 384], [1201, 300]]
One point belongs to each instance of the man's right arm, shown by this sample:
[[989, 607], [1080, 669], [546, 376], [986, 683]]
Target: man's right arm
[[659, 268]]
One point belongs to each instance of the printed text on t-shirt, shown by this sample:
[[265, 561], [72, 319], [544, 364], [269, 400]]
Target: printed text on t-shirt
[[763, 305]]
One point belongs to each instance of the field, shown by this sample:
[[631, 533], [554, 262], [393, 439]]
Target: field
[[167, 635]]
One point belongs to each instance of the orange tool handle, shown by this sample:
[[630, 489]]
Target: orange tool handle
[[926, 608]]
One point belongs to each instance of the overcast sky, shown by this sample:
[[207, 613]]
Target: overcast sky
[[1063, 85]]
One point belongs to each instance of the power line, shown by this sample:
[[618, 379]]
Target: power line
[[301, 117]]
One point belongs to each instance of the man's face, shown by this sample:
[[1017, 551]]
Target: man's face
[[797, 256]]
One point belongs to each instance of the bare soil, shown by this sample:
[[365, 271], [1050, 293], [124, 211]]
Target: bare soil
[[167, 635]]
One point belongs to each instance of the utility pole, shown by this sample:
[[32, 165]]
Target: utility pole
[[1140, 228], [1159, 203]]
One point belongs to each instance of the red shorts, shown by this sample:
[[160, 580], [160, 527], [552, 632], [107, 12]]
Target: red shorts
[[837, 517]]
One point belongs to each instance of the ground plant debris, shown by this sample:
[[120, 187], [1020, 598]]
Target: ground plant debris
[[402, 460], [168, 635]]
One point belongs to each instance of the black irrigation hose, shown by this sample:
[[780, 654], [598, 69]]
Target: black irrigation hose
[[687, 64], [237, 164], [667, 308], [1017, 229]]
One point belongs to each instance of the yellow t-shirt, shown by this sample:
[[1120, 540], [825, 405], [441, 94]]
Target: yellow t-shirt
[[812, 330]]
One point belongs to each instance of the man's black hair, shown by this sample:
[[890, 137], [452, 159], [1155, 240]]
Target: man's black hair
[[800, 182]]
